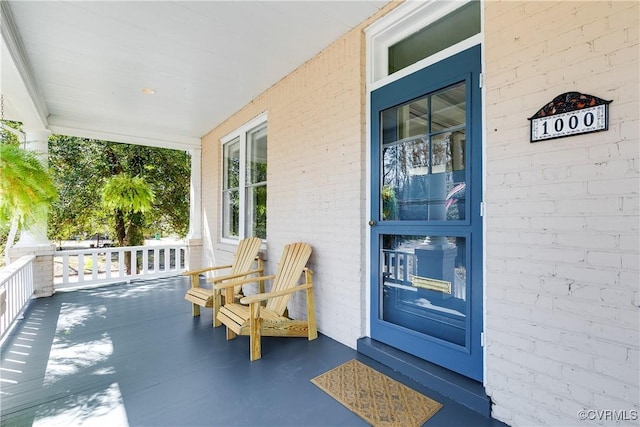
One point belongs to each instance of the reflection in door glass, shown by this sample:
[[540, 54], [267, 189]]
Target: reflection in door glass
[[424, 285], [448, 108], [423, 158]]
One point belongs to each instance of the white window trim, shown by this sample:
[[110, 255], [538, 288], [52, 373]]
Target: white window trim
[[241, 133], [400, 23]]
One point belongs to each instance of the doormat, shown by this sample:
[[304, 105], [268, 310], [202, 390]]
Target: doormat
[[376, 398]]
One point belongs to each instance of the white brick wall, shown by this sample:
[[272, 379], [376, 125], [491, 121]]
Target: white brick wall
[[562, 255], [316, 155]]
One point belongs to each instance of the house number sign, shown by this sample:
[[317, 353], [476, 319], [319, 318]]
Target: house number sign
[[571, 113]]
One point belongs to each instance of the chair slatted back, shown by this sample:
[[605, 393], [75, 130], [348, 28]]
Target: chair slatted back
[[294, 259], [244, 257]]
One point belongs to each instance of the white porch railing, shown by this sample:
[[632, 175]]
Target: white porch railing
[[81, 267], [16, 288]]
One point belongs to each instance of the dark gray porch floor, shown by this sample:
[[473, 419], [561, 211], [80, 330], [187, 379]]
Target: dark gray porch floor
[[132, 355]]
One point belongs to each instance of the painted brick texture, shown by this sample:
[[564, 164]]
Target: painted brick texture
[[42, 267], [562, 255], [316, 180]]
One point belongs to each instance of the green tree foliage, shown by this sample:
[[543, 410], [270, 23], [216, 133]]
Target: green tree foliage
[[81, 168], [7, 136]]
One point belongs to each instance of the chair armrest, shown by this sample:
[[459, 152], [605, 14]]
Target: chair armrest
[[268, 295], [203, 270], [234, 283], [232, 276]]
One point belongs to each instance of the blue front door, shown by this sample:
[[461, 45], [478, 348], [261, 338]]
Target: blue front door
[[426, 227]]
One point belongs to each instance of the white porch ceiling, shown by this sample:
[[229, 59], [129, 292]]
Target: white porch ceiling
[[83, 64]]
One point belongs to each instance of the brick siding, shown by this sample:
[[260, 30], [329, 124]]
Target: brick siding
[[316, 180], [562, 275]]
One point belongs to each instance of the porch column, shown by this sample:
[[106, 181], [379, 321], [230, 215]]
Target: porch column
[[194, 237], [33, 241]]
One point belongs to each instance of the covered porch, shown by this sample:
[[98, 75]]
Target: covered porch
[[530, 305], [131, 354]]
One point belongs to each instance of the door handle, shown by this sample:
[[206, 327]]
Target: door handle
[[372, 222]]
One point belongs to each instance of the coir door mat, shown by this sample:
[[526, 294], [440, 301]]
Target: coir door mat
[[376, 398]]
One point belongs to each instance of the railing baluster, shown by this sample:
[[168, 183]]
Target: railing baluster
[[65, 268], [94, 266], [134, 262], [156, 260], [145, 261], [17, 280], [121, 266], [152, 260], [80, 267], [394, 265], [108, 264], [399, 267]]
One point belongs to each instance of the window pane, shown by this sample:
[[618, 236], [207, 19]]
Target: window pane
[[230, 213], [231, 165], [451, 29], [257, 156], [256, 211]]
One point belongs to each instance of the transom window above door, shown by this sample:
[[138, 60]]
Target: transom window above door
[[244, 181], [458, 25], [418, 34]]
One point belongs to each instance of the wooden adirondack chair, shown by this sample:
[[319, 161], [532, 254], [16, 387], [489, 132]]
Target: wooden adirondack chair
[[242, 267], [257, 320]]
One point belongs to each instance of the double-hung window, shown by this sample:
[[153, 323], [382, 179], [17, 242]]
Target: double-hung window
[[244, 181]]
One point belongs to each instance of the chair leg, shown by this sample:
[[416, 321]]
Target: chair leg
[[195, 283], [217, 303], [311, 316], [228, 296], [230, 334], [254, 332]]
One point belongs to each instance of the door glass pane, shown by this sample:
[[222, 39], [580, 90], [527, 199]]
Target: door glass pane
[[424, 285], [423, 158], [449, 108]]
